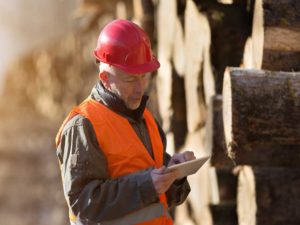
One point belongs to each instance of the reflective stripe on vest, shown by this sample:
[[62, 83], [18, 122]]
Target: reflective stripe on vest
[[150, 213], [125, 154]]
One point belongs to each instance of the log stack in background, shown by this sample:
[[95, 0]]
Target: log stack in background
[[262, 129], [187, 33], [261, 116]]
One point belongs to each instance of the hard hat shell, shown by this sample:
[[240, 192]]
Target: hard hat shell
[[126, 46]]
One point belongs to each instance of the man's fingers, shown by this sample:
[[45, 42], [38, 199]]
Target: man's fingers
[[189, 155], [162, 181]]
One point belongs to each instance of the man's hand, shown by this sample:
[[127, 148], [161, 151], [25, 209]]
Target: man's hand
[[162, 181], [181, 157]]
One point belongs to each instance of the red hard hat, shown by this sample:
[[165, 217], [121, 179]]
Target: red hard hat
[[126, 46]]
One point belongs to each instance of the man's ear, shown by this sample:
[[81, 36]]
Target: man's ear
[[103, 76]]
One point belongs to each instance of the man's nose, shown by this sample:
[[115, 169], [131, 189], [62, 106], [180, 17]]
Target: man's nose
[[140, 85]]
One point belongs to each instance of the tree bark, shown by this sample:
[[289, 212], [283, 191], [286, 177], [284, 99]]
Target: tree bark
[[276, 35], [268, 196], [261, 111]]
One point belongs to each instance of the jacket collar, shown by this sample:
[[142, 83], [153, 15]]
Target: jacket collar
[[112, 101]]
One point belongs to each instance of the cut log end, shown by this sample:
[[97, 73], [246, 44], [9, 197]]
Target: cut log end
[[227, 110], [261, 116], [258, 35], [246, 197]]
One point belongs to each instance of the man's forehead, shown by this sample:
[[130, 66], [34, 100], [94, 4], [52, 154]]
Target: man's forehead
[[118, 72], [113, 70]]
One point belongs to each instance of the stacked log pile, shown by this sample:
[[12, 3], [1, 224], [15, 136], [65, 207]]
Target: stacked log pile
[[262, 129], [266, 135], [261, 111]]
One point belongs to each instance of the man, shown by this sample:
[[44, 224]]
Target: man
[[111, 149]]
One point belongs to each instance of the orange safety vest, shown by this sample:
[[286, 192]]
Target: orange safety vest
[[124, 151]]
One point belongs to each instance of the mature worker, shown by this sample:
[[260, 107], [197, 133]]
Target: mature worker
[[111, 149]]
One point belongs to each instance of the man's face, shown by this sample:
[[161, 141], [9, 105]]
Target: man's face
[[129, 87]]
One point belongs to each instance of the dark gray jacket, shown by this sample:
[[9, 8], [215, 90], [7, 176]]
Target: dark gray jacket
[[90, 192]]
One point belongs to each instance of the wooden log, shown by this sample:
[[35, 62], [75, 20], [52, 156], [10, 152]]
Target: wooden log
[[276, 35], [178, 55], [268, 196], [121, 11], [224, 214], [166, 27], [164, 91], [183, 214], [195, 48], [248, 55], [209, 88], [89, 12], [165, 37], [261, 111], [215, 140], [223, 23], [178, 120], [200, 196], [227, 185], [144, 16]]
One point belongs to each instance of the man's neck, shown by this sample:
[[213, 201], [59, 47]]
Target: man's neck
[[112, 101]]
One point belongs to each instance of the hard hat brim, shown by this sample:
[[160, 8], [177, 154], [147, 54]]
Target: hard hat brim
[[140, 69], [134, 69]]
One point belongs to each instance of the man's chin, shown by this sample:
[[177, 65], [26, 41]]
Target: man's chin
[[134, 106]]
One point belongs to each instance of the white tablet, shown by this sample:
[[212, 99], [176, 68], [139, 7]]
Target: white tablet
[[189, 167]]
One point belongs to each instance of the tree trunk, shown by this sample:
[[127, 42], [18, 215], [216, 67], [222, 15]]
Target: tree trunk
[[276, 35], [262, 117], [268, 196]]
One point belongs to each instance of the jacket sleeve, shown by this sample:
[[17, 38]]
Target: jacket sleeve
[[89, 191], [180, 189]]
